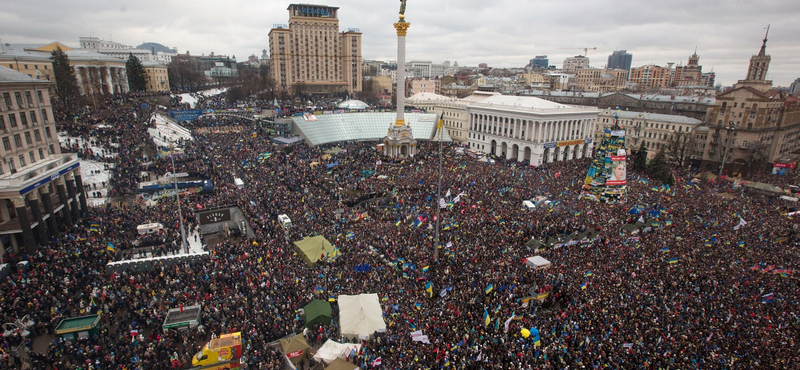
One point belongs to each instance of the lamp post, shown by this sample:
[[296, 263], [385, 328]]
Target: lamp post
[[731, 128], [184, 246]]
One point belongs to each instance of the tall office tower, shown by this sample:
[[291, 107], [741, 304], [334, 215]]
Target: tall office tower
[[539, 62], [311, 56], [620, 59]]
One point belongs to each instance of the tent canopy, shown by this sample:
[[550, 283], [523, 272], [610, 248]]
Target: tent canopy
[[295, 348], [360, 315], [538, 262], [339, 364], [331, 351], [314, 248], [318, 311]]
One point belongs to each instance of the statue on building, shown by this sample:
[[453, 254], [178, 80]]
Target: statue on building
[[402, 9]]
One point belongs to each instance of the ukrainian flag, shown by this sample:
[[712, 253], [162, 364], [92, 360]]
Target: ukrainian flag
[[489, 289], [331, 299], [584, 285], [486, 318], [429, 288], [426, 268], [589, 273], [350, 235], [665, 250], [399, 221], [674, 260], [110, 247], [741, 244]]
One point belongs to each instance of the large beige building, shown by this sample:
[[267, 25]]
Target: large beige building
[[751, 122], [157, 77], [651, 77], [311, 55], [95, 73], [601, 80], [40, 188], [656, 131]]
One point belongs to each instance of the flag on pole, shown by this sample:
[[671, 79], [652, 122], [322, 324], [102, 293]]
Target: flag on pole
[[429, 288], [489, 288], [486, 318], [442, 203], [441, 123], [741, 223]]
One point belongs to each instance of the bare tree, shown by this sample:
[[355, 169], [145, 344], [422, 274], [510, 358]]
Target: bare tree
[[680, 146]]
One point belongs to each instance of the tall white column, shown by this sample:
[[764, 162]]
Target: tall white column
[[109, 80], [79, 80], [402, 28]]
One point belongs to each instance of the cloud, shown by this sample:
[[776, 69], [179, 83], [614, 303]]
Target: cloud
[[502, 33]]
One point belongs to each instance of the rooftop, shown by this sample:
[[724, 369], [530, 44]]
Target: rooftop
[[8, 75], [368, 126], [655, 117]]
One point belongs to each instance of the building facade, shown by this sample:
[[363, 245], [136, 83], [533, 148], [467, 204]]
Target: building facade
[[573, 64], [425, 86], [601, 80], [95, 73], [114, 49], [752, 122], [157, 78], [539, 62], [651, 77], [656, 131], [312, 53], [531, 130], [41, 188], [620, 59]]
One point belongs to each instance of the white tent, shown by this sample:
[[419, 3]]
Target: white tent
[[360, 316], [538, 262], [331, 350]]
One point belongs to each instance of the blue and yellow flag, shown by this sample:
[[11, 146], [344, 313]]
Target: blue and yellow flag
[[486, 318], [489, 289], [429, 288], [110, 247]]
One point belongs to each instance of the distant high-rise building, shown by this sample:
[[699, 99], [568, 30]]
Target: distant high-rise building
[[311, 52], [620, 59], [794, 88], [539, 62]]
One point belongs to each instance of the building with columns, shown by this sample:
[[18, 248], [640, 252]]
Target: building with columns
[[531, 130], [95, 73], [40, 187]]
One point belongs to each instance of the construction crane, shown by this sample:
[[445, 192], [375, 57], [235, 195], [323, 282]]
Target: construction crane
[[585, 50]]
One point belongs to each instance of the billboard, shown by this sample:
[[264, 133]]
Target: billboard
[[617, 174], [219, 215], [186, 115]]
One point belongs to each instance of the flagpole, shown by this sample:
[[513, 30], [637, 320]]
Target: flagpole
[[438, 195]]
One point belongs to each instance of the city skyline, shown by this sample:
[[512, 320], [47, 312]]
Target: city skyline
[[725, 37]]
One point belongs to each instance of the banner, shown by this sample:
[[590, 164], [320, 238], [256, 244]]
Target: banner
[[617, 171], [186, 115]]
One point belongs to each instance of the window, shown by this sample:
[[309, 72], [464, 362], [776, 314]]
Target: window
[[6, 144], [12, 119], [44, 115], [41, 153], [28, 139], [32, 157], [39, 95], [22, 160], [18, 141], [18, 97], [11, 167], [7, 98], [47, 132], [23, 119], [2, 123], [37, 135], [28, 98]]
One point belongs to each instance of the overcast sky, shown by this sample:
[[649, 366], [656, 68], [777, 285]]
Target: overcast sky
[[502, 33]]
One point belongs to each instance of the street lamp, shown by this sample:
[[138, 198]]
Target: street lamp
[[731, 128], [178, 197]]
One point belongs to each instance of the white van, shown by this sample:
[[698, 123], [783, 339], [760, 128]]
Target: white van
[[239, 183], [284, 221], [149, 228]]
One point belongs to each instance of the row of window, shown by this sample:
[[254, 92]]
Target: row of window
[[28, 139], [20, 102], [23, 119], [25, 66], [13, 164]]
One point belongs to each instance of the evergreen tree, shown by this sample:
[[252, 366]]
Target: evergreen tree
[[640, 159], [137, 77], [659, 169], [66, 83]]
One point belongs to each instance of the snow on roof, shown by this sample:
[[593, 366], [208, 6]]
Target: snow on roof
[[9, 75], [352, 104], [426, 97]]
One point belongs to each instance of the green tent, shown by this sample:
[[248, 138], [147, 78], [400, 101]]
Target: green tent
[[339, 364], [318, 312], [314, 248]]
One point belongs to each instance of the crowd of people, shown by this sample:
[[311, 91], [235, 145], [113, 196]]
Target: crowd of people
[[701, 290]]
